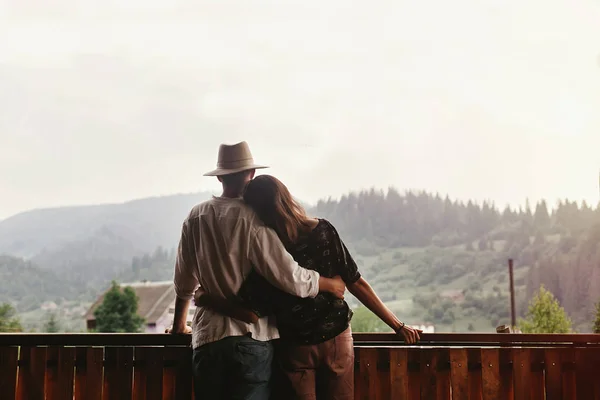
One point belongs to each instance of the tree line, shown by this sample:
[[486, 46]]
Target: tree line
[[392, 219]]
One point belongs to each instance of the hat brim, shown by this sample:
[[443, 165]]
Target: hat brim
[[224, 171]]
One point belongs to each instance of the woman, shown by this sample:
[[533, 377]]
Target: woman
[[316, 351]]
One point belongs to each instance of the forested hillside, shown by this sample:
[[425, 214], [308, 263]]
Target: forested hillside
[[432, 259], [456, 240], [27, 286]]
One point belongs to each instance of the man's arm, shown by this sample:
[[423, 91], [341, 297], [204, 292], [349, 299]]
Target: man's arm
[[186, 282], [179, 319], [276, 265]]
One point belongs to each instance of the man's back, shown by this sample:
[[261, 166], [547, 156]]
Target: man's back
[[221, 230], [218, 233]]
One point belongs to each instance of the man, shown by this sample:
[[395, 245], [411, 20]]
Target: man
[[222, 240]]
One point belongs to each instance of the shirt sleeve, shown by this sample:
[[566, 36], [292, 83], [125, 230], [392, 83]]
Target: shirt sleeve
[[186, 279], [276, 265], [347, 268]]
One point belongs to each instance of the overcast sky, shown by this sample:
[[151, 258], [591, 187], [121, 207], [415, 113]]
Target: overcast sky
[[105, 102]]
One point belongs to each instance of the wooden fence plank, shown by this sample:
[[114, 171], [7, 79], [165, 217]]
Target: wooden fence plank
[[414, 375], [177, 373], [169, 378], [398, 373], [32, 372], [8, 371], [569, 386], [51, 379], [60, 373], [428, 377], [183, 373], [522, 372], [148, 373], [595, 366], [435, 377], [459, 374], [475, 377], [368, 373], [357, 381], [139, 374], [110, 387], [66, 371], [118, 371], [154, 373], [60, 367], [553, 367], [88, 373], [585, 376], [490, 373], [506, 373], [383, 374], [443, 375], [536, 381]]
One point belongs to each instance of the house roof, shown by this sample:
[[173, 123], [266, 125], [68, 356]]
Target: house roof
[[154, 298]]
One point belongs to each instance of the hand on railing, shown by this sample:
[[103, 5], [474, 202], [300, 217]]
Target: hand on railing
[[186, 331], [411, 335]]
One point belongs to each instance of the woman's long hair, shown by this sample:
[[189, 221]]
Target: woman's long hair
[[274, 204]]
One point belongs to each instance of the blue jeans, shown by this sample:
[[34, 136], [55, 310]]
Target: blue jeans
[[233, 368]]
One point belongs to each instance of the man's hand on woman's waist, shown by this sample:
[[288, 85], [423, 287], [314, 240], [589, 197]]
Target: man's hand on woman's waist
[[335, 286]]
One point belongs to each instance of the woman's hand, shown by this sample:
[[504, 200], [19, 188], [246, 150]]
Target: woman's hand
[[411, 335], [201, 298]]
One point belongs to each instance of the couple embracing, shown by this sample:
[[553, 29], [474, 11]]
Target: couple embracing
[[269, 284]]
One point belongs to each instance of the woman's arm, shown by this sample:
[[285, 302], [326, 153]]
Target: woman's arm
[[366, 295], [225, 307]]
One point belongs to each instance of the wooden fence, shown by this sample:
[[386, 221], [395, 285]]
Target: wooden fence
[[444, 366]]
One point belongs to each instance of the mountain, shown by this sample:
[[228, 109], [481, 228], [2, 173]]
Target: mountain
[[141, 225]]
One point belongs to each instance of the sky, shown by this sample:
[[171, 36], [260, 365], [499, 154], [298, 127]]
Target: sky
[[108, 101]]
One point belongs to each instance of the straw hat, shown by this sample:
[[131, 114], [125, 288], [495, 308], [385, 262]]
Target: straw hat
[[234, 158]]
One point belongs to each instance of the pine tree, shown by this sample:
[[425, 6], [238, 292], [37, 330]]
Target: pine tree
[[545, 315], [118, 311], [541, 218], [9, 322], [52, 325], [597, 322]]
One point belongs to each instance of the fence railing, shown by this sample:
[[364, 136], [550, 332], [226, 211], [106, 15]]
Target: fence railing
[[444, 366]]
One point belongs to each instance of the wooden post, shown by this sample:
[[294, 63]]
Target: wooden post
[[513, 315]]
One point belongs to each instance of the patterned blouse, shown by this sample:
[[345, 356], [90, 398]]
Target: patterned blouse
[[309, 320]]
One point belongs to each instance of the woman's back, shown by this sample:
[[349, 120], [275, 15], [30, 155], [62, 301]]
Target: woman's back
[[310, 320]]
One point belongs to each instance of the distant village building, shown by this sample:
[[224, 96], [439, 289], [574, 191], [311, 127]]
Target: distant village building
[[426, 328], [456, 296], [49, 306], [156, 304]]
